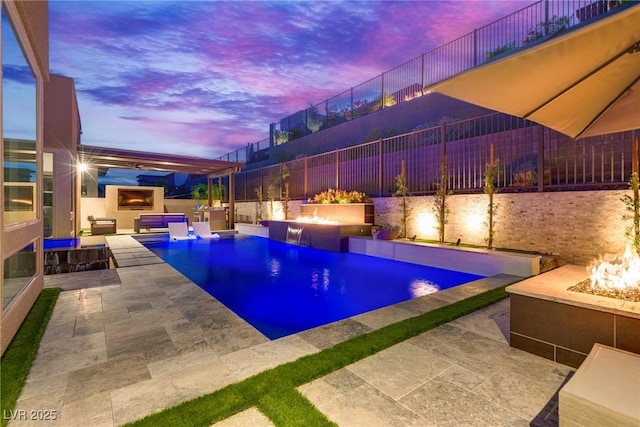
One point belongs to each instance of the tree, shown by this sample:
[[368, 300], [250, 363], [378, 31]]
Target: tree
[[200, 192], [403, 192], [258, 204], [633, 202], [284, 180], [490, 190], [440, 201]]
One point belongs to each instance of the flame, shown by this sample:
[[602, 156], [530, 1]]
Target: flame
[[616, 273], [315, 219]]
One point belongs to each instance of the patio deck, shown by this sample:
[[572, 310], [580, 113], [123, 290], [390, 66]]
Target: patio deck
[[127, 342]]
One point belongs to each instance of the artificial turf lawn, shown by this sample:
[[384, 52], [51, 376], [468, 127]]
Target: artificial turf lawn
[[18, 358], [274, 392]]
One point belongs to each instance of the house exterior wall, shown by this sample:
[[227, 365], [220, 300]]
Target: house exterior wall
[[61, 115], [97, 206], [61, 135], [30, 23]]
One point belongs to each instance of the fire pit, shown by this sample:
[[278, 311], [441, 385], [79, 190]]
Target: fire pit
[[327, 223], [550, 320], [319, 235], [615, 277], [315, 219]]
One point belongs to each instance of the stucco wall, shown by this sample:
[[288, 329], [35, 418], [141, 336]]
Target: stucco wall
[[94, 206], [61, 115], [97, 206], [125, 218], [578, 226], [181, 205]]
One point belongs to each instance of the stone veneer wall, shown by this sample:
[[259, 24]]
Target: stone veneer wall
[[246, 211], [577, 225]]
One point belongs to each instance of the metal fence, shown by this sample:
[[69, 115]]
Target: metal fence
[[530, 157], [524, 27]]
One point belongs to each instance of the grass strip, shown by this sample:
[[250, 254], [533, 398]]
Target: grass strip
[[18, 357], [272, 390], [287, 407]]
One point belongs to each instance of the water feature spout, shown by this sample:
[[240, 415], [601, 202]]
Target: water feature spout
[[294, 234]]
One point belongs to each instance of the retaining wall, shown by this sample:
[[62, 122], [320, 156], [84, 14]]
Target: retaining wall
[[579, 226]]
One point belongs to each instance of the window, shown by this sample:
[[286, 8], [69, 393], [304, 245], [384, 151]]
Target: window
[[19, 268], [18, 130]]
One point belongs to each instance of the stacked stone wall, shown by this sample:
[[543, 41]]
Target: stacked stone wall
[[578, 226]]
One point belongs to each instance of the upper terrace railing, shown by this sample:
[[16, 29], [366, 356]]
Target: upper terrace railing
[[409, 80], [531, 158]]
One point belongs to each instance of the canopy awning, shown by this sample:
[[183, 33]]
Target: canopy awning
[[101, 157], [583, 82]]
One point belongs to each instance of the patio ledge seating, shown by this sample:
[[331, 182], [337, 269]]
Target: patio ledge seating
[[157, 220], [604, 391]]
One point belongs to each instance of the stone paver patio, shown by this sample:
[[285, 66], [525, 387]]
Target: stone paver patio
[[127, 342]]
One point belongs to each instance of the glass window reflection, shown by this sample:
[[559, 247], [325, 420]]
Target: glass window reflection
[[18, 88], [19, 130], [19, 268]]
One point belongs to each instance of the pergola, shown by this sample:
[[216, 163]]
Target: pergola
[[101, 157]]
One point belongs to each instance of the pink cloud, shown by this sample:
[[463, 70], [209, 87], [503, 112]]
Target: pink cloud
[[211, 76]]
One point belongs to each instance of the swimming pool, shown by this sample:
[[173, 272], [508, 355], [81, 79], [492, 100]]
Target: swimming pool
[[70, 243], [283, 289]]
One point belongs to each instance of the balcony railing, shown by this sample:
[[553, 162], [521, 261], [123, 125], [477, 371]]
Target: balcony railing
[[405, 82], [531, 158]]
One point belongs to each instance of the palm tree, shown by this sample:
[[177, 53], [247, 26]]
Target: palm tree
[[201, 192]]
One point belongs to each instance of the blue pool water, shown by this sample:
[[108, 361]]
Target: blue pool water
[[282, 289], [70, 243]]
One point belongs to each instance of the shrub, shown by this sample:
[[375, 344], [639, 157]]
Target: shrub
[[340, 196]]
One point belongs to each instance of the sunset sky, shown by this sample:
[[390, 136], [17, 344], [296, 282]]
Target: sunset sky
[[206, 78]]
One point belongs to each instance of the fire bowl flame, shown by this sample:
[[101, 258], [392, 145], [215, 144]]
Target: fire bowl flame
[[616, 273], [315, 220]]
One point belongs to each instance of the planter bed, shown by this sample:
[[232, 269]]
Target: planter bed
[[347, 213], [477, 261]]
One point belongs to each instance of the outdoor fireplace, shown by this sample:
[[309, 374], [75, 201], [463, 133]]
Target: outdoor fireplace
[[135, 200]]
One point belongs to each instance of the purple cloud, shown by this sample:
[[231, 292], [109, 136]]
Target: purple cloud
[[18, 73], [212, 75]]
